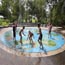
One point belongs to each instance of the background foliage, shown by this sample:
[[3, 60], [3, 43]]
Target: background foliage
[[34, 9]]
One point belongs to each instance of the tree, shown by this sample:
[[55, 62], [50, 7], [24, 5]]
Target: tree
[[37, 8], [5, 8], [57, 15]]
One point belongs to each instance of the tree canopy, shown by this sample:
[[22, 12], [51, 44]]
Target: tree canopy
[[25, 9]]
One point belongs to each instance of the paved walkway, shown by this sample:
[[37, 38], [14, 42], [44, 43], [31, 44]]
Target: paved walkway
[[10, 59]]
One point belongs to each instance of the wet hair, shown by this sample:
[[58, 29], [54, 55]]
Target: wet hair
[[29, 31], [23, 27], [38, 25]]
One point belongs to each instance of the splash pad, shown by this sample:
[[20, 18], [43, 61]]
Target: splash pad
[[52, 45]]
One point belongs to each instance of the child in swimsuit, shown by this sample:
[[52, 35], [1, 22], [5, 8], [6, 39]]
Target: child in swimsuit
[[49, 29], [40, 37], [30, 35], [14, 30], [20, 34]]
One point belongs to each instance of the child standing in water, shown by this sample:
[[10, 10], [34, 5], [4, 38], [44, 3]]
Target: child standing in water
[[30, 35], [40, 37], [20, 34], [49, 29], [14, 30]]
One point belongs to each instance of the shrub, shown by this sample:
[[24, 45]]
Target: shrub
[[4, 22]]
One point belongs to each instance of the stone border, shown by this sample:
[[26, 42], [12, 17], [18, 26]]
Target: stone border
[[18, 53]]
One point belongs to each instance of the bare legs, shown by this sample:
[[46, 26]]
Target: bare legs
[[40, 42], [21, 39], [31, 41]]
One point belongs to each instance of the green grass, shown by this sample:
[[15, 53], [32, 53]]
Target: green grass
[[4, 22]]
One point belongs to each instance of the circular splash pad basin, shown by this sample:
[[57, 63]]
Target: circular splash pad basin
[[52, 45]]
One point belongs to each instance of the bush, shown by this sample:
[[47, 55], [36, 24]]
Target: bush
[[4, 22]]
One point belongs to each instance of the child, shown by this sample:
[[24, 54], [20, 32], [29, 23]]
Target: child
[[40, 37], [20, 34], [49, 29], [30, 35], [14, 30]]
